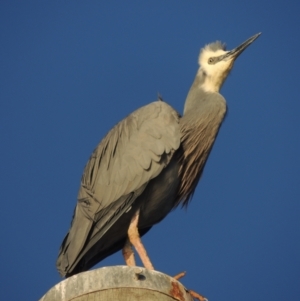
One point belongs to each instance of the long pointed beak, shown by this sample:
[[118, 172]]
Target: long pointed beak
[[234, 53]]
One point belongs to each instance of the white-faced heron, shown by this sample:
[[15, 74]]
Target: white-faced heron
[[148, 164]]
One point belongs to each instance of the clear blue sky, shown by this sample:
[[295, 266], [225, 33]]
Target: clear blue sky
[[70, 70]]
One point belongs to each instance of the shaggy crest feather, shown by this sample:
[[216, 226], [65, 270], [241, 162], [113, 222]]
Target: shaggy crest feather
[[215, 46]]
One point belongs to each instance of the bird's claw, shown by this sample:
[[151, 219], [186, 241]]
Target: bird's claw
[[179, 275], [191, 292], [197, 296]]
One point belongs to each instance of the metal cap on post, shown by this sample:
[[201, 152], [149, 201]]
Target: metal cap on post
[[118, 283]]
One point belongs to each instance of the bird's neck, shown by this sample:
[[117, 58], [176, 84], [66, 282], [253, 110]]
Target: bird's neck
[[210, 81], [200, 99], [195, 95], [213, 83]]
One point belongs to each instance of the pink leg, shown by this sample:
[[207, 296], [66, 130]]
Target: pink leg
[[128, 254], [134, 238]]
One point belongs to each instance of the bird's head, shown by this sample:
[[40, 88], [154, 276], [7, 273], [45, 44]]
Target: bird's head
[[216, 62]]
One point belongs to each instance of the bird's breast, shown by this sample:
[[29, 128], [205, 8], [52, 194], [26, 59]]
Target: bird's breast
[[199, 128]]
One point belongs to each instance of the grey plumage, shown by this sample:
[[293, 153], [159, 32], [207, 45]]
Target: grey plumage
[[133, 153], [151, 161]]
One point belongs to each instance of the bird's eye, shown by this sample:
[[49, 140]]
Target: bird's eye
[[211, 60]]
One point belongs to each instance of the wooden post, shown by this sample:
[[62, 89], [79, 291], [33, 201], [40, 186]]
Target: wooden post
[[118, 283]]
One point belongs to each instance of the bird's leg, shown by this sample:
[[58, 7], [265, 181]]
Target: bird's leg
[[134, 238], [128, 253]]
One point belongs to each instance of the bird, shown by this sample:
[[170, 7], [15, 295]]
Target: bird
[[147, 165]]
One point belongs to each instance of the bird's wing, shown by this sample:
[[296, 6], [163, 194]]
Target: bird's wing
[[132, 153]]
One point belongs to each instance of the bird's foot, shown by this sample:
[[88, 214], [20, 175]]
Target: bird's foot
[[197, 296], [191, 292], [179, 275]]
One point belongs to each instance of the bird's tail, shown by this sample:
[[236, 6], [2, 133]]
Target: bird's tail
[[74, 241]]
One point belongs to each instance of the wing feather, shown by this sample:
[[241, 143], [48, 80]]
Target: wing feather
[[128, 142], [132, 153]]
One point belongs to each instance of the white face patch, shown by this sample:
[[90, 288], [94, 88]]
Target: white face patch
[[217, 72]]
